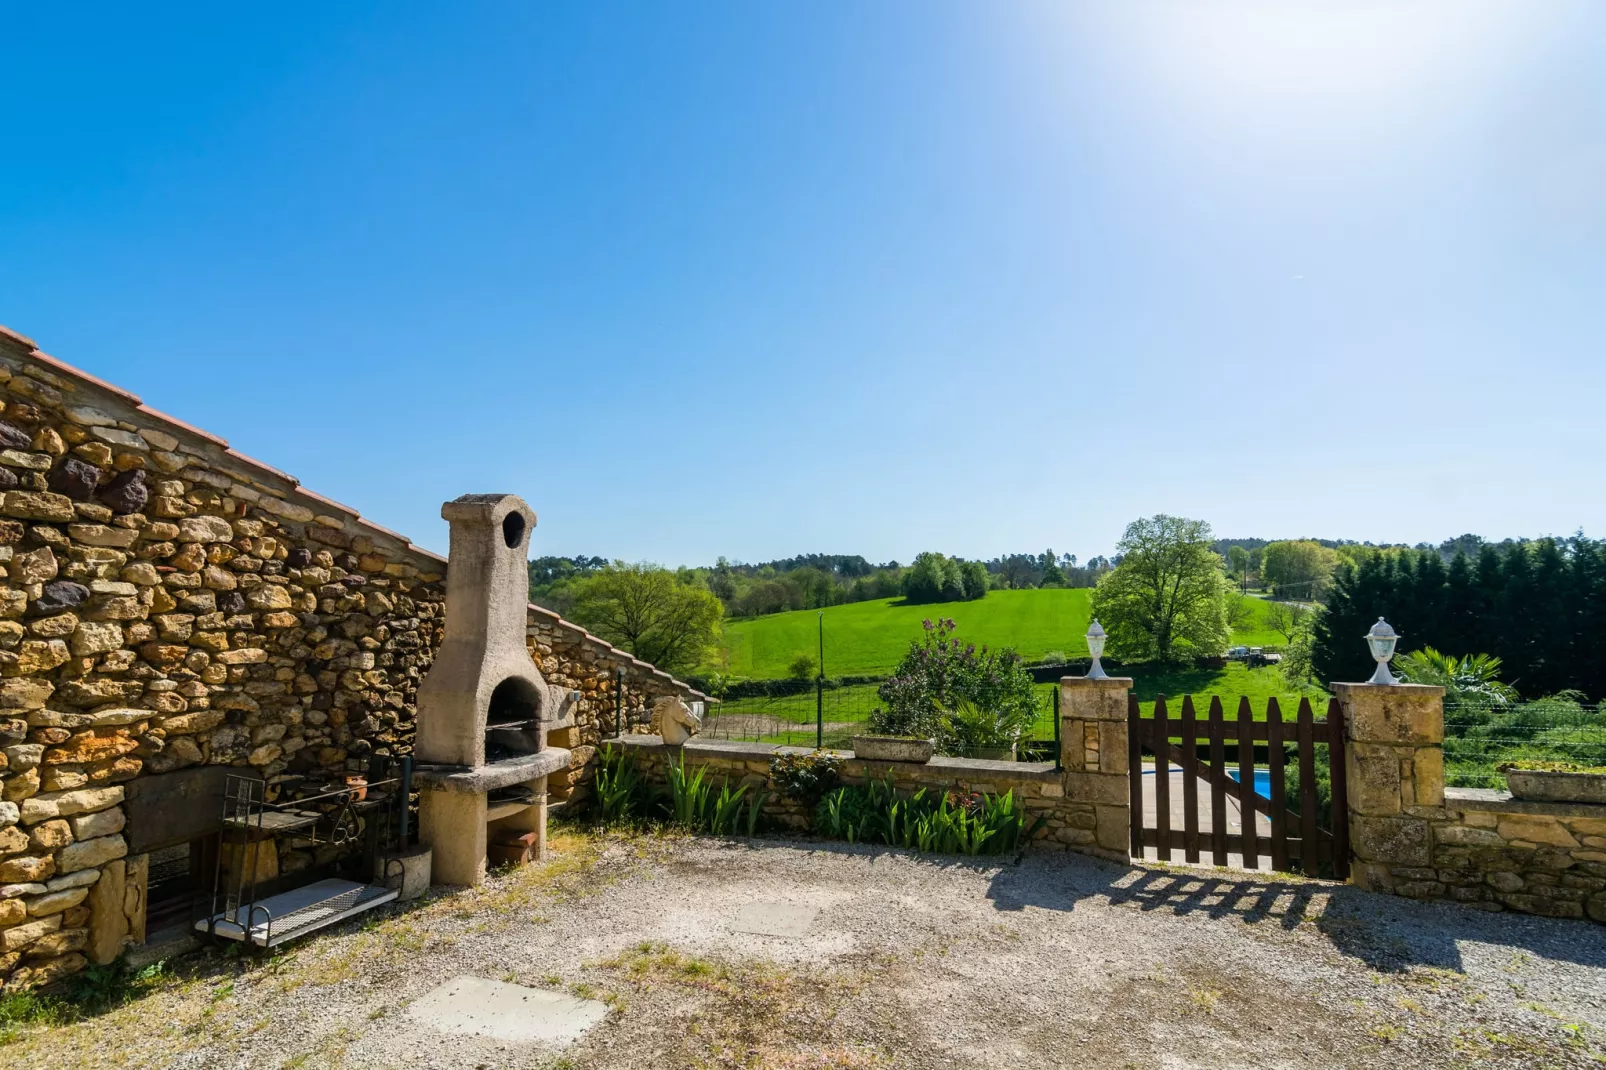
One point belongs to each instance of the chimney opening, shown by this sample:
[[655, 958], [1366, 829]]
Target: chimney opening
[[513, 529]]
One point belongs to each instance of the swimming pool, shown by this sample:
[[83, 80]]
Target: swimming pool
[[1262, 781], [1262, 778]]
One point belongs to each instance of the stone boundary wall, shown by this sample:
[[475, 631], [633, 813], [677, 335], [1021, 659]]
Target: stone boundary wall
[[169, 602], [1491, 851], [1414, 837], [1070, 824]]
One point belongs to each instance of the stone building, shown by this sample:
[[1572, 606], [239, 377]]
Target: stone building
[[171, 605]]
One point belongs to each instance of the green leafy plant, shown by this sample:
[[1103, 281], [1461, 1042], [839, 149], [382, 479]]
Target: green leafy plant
[[805, 778], [1534, 765], [688, 795], [971, 726], [942, 823], [618, 787], [1472, 680]]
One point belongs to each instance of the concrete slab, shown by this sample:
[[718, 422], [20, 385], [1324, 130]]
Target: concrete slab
[[788, 920], [477, 1006]]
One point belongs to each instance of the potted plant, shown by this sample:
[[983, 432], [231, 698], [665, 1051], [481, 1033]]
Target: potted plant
[[1542, 781], [990, 734]]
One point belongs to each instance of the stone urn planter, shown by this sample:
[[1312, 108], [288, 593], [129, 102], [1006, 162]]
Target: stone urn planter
[[993, 754], [1557, 785], [894, 748]]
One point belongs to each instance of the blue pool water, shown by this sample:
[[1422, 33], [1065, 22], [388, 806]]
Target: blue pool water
[[1262, 778], [1262, 781]]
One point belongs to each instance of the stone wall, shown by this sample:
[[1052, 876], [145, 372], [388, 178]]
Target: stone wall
[[1069, 824], [169, 602], [1414, 837]]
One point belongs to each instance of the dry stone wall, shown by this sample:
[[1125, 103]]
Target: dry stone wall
[[168, 602]]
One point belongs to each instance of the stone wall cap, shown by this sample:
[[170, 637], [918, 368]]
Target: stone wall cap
[[189, 429], [1493, 800], [82, 376], [1108, 683], [1404, 690]]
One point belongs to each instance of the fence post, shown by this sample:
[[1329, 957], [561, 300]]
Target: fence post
[[1093, 754], [1394, 758]]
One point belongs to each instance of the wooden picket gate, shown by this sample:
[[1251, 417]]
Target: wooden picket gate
[[1320, 848]]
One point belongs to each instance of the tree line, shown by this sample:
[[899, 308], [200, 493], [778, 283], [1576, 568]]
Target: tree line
[[1538, 605]]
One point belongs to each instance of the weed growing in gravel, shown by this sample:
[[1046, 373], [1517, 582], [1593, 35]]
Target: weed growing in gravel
[[751, 1014], [94, 991]]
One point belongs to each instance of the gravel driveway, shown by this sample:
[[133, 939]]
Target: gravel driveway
[[900, 962]]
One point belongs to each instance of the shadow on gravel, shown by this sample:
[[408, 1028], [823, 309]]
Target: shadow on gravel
[[1388, 934]]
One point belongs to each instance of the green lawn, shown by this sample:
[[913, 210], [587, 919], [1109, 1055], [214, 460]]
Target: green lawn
[[870, 637]]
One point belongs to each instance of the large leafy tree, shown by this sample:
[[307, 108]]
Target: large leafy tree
[[658, 615], [1298, 568], [1167, 599]]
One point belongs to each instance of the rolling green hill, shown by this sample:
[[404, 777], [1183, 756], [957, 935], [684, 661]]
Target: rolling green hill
[[871, 637]]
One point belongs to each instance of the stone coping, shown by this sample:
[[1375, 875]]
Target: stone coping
[[1503, 802], [273, 490], [740, 750], [457, 778]]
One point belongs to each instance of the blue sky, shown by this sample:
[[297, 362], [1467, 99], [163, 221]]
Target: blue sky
[[764, 279]]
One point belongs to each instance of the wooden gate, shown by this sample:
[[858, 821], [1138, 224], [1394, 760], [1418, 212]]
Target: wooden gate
[[1294, 834]]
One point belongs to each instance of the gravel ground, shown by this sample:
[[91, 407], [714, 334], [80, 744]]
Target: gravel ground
[[909, 962]]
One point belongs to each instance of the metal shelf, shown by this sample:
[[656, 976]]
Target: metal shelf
[[285, 916]]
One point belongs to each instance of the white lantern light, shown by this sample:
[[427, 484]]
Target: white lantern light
[[1381, 640], [1095, 648]]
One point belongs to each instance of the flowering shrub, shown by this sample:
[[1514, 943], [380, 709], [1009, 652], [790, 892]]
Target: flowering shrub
[[940, 676]]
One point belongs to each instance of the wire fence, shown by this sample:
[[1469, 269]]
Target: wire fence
[[832, 717], [1479, 739]]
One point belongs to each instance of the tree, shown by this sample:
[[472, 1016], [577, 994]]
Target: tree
[[1298, 568], [658, 616], [1286, 618], [1167, 598], [802, 667], [1240, 610]]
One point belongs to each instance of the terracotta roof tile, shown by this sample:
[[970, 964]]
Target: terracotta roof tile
[[191, 429], [19, 338], [254, 463]]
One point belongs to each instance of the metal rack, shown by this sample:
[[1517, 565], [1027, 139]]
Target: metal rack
[[260, 914]]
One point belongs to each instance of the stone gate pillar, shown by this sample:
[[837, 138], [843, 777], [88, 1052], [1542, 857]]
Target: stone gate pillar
[[1394, 758], [1093, 749]]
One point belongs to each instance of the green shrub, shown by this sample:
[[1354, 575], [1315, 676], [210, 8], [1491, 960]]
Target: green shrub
[[805, 778], [938, 674]]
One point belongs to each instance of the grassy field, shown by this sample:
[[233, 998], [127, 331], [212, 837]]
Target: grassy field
[[871, 637], [790, 719]]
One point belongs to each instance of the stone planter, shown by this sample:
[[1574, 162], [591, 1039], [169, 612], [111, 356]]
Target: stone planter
[[1547, 786], [993, 754], [894, 748]]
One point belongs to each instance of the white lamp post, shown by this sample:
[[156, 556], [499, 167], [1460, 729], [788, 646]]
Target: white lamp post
[[1095, 648], [1382, 639]]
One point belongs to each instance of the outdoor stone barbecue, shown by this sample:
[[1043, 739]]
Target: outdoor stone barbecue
[[484, 709], [171, 609]]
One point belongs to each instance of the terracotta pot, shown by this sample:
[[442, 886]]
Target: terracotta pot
[[358, 786]]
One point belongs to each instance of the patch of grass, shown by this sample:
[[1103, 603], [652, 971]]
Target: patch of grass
[[752, 1013], [1204, 1000], [95, 991]]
